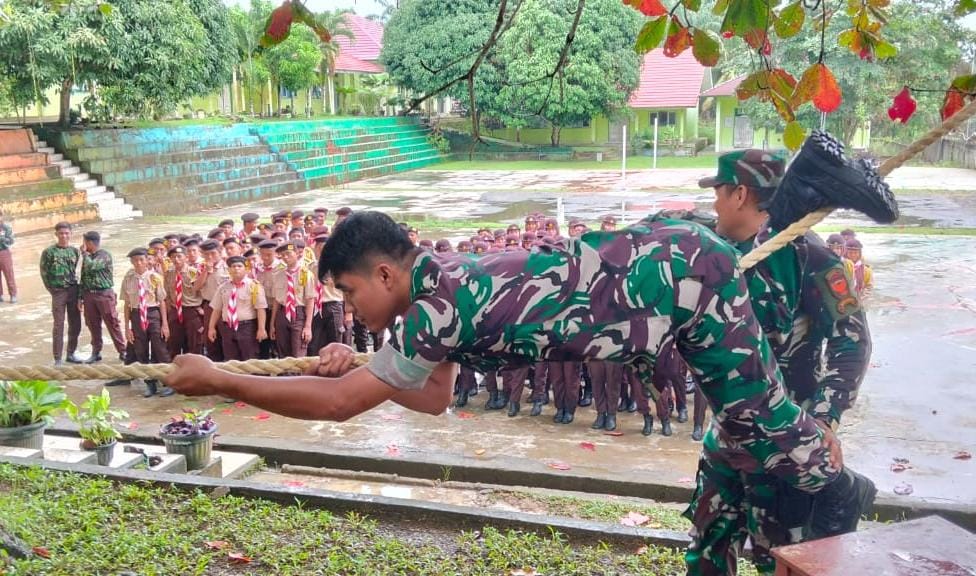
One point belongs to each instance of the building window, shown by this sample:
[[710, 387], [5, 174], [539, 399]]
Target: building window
[[664, 118], [316, 92]]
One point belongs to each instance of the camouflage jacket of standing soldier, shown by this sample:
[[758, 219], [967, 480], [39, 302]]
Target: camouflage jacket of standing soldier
[[805, 301]]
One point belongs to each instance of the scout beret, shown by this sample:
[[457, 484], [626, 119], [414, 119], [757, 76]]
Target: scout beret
[[265, 244], [171, 236], [293, 246], [137, 252], [442, 244], [465, 244], [836, 239], [155, 241], [249, 253], [249, 217], [236, 260], [191, 241], [257, 238], [426, 243], [297, 214], [209, 245], [176, 250], [214, 233], [231, 240]]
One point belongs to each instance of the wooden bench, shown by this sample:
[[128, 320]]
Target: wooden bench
[[925, 547]]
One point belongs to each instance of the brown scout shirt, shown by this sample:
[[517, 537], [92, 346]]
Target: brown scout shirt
[[154, 285], [250, 298], [266, 275], [214, 280], [191, 297], [304, 286]]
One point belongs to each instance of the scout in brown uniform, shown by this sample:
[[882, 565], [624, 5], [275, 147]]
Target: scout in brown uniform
[[294, 296], [250, 221], [184, 305], [145, 320], [264, 272], [298, 220], [213, 273], [240, 308], [328, 317], [227, 225], [232, 247], [156, 254]]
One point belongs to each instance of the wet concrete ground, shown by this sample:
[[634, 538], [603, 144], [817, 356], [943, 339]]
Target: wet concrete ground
[[917, 401]]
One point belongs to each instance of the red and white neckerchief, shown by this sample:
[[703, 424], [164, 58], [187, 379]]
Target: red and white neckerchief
[[290, 301], [232, 306], [319, 294], [143, 307], [179, 296]]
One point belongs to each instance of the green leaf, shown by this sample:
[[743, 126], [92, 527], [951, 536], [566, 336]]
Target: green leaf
[[720, 7], [790, 20], [746, 18], [105, 8], [651, 34], [794, 135], [884, 49], [691, 4], [965, 7], [707, 47]]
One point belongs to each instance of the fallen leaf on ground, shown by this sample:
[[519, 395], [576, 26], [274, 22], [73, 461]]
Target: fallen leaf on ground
[[613, 433], [238, 558], [558, 465], [41, 551], [262, 416], [634, 519], [479, 451], [226, 411], [899, 467], [132, 426], [641, 550], [391, 416], [392, 450], [465, 415], [903, 489], [588, 446], [295, 483], [217, 544], [240, 404], [962, 455], [524, 572]]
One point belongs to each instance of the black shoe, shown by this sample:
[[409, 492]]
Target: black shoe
[[632, 407], [666, 428], [166, 391], [94, 358], [558, 418], [838, 506], [586, 400], [73, 358], [683, 415], [545, 399], [473, 392], [648, 425], [536, 409], [600, 422], [492, 400], [623, 403], [513, 409], [122, 357], [150, 389], [611, 423], [568, 416], [462, 399], [119, 382], [697, 434]]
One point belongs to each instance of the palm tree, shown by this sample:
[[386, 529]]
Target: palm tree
[[335, 23], [247, 29]]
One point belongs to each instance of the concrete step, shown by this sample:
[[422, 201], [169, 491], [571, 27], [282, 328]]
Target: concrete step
[[85, 184], [47, 150], [77, 176], [63, 163], [19, 452], [68, 449], [77, 456], [55, 157], [41, 144], [95, 198], [70, 171]]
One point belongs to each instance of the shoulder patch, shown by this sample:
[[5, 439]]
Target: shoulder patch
[[842, 297]]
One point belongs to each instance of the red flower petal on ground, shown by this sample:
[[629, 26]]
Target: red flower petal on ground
[[392, 450], [216, 544], [558, 465], [240, 404], [238, 558], [132, 426], [466, 415], [588, 446], [962, 455], [41, 551], [263, 416], [635, 519], [295, 483], [903, 106]]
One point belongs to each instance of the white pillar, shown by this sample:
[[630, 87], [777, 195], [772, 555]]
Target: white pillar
[[655, 142], [718, 125]]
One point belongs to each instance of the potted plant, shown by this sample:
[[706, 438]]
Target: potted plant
[[26, 408], [190, 435], [96, 425]]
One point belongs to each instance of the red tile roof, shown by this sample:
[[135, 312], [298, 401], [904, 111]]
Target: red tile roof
[[668, 82], [367, 40], [726, 88], [346, 62]]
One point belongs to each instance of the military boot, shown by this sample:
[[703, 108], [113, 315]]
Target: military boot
[[697, 434], [568, 415], [611, 423], [513, 409], [558, 417], [500, 402], [600, 422], [666, 427], [838, 506], [536, 409], [587, 398], [150, 389], [492, 403], [648, 425], [683, 415], [632, 407], [462, 399]]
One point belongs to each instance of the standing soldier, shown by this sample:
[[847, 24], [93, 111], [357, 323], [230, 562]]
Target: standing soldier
[[6, 260], [146, 328], [184, 305], [240, 307], [213, 273], [294, 296], [98, 297], [59, 272]]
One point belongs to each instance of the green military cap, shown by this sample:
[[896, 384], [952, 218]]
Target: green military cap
[[753, 168]]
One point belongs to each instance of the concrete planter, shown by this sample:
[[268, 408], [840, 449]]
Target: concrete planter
[[30, 436], [196, 449]]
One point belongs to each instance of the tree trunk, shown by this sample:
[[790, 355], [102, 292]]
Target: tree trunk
[[554, 138], [331, 94], [518, 133], [64, 116]]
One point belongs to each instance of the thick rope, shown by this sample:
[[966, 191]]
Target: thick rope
[[803, 225], [155, 371]]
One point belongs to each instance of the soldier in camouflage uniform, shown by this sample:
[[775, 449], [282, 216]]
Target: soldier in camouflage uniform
[[618, 296], [802, 298]]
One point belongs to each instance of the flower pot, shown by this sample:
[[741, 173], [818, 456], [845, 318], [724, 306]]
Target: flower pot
[[105, 452], [196, 449], [30, 436]]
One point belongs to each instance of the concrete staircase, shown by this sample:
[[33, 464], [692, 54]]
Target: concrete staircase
[[331, 152], [66, 449], [110, 207]]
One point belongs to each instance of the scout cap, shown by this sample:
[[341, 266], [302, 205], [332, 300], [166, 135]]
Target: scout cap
[[268, 244], [209, 245], [427, 243], [297, 214], [213, 233], [442, 245], [191, 241], [231, 240], [293, 246], [752, 168], [609, 219], [249, 217], [236, 260], [137, 252], [156, 241], [512, 240], [464, 246], [835, 240], [176, 250]]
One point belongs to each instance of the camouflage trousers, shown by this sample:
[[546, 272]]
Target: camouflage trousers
[[736, 499]]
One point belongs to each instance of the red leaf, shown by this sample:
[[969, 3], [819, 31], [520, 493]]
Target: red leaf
[[240, 404], [613, 433], [279, 23], [650, 8], [392, 450], [466, 415], [132, 426], [262, 416], [238, 558], [903, 106], [588, 446], [558, 465], [818, 84], [216, 544], [898, 467], [226, 411], [635, 519], [678, 40], [962, 455], [41, 551], [954, 102]]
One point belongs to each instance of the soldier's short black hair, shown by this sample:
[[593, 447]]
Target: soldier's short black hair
[[92, 236], [362, 237]]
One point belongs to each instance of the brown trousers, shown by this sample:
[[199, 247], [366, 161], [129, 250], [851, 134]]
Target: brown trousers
[[565, 378], [149, 346], [288, 335], [637, 390], [513, 381], [64, 301], [240, 344], [214, 350], [606, 377], [7, 272], [186, 337], [100, 306], [328, 327]]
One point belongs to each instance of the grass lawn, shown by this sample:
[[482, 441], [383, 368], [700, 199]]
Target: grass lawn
[[94, 526], [633, 163]]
